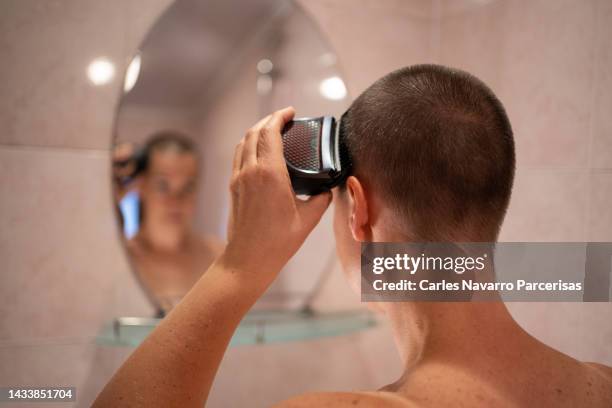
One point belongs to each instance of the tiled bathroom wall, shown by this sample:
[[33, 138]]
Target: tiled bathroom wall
[[64, 272], [549, 63]]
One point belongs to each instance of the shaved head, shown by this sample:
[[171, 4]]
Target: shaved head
[[438, 145]]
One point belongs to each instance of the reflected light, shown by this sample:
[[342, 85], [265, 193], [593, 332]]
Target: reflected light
[[100, 71], [264, 84], [333, 88], [131, 75], [265, 66], [328, 59], [130, 210]]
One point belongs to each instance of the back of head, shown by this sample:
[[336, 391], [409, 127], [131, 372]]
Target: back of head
[[437, 145]]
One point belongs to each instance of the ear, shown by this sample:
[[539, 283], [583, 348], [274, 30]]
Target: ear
[[359, 221]]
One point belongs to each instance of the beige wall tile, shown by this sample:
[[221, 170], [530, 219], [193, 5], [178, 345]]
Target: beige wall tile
[[472, 39], [46, 47], [600, 207], [601, 150], [546, 79], [547, 205], [582, 330], [539, 58], [61, 365], [62, 257], [375, 37], [82, 365], [597, 333]]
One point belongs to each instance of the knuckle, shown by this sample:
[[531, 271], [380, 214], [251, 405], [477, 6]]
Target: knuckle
[[267, 173], [266, 131], [249, 172], [255, 176], [269, 133], [262, 172], [234, 184]]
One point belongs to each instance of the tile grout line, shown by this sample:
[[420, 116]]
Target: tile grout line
[[53, 149], [576, 169], [435, 35], [595, 46], [51, 341]]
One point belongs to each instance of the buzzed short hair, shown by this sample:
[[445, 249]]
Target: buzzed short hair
[[438, 145], [168, 141]]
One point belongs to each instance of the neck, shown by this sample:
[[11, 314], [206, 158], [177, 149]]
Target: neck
[[452, 330], [164, 238]]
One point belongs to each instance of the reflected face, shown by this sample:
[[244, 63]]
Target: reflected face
[[168, 189], [347, 248]]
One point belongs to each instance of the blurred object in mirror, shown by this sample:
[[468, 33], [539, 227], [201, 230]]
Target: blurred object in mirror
[[132, 73]]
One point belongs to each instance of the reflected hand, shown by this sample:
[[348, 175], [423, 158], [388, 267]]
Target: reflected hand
[[123, 167], [123, 163], [268, 223]]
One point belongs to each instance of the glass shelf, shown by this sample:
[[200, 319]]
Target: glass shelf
[[257, 327]]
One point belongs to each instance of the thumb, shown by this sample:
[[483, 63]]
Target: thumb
[[312, 209]]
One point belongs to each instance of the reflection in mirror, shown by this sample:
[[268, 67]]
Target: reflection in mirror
[[206, 72], [157, 200]]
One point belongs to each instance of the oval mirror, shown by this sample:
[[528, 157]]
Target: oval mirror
[[207, 71]]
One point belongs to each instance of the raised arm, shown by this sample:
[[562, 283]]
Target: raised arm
[[176, 364]]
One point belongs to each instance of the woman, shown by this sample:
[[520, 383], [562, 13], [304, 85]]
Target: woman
[[169, 256]]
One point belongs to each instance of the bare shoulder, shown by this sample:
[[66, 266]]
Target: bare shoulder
[[604, 370], [347, 399]]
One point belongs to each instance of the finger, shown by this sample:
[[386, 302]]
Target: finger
[[249, 154], [270, 144], [312, 209], [237, 159], [249, 150]]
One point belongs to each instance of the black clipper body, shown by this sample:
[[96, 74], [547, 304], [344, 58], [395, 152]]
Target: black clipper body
[[316, 156]]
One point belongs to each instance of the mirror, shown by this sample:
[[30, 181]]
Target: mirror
[[206, 72]]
